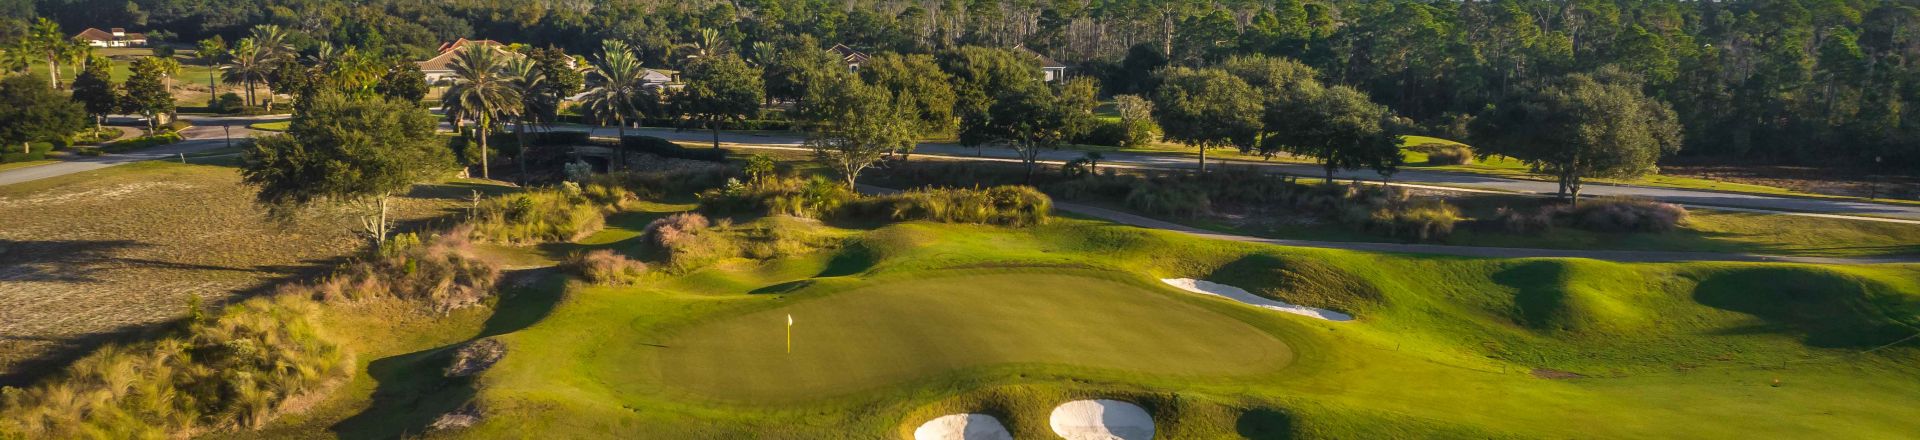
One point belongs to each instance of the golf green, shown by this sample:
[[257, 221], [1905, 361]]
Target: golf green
[[897, 331]]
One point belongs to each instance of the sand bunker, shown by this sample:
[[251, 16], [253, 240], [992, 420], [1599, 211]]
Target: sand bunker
[[1101, 420], [962, 427], [1242, 295]]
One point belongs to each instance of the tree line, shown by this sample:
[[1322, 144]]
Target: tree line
[[1777, 81]]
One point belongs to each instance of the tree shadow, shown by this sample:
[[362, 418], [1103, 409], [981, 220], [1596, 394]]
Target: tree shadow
[[412, 391], [1264, 423]]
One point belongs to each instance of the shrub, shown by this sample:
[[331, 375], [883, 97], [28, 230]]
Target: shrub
[[1422, 219], [606, 267], [1000, 205], [444, 273], [782, 236], [688, 242], [817, 197], [162, 138], [668, 149], [1521, 222], [236, 370], [1168, 198], [1112, 133], [1446, 154], [228, 103], [1619, 214], [668, 177], [537, 217]]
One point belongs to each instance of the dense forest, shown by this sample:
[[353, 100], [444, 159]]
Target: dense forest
[[1820, 82]]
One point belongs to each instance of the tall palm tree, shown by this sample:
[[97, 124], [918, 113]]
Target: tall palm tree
[[618, 80], [248, 67], [271, 43], [44, 39], [527, 81], [211, 51], [482, 90]]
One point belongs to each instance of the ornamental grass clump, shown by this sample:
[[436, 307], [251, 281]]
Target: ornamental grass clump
[[542, 216], [607, 268]]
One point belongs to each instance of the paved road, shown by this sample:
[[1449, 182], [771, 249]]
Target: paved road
[[207, 134], [1447, 179], [1136, 220]]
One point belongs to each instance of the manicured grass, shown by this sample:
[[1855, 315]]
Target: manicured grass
[[24, 164], [1686, 350], [889, 332], [271, 126]]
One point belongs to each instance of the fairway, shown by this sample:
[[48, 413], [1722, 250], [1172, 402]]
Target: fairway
[[898, 331]]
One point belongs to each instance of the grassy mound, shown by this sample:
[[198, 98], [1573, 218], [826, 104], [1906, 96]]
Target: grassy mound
[[888, 332]]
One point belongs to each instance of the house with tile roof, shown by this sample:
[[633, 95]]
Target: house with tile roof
[[853, 58], [440, 67], [115, 37]]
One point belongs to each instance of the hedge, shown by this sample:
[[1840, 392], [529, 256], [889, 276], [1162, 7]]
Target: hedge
[[665, 148], [37, 152], [165, 137]]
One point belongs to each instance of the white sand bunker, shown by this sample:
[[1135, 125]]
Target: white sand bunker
[[1101, 420], [962, 427], [1242, 295]]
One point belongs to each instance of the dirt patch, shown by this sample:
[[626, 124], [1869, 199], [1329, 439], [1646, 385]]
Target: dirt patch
[[476, 356], [1552, 374]]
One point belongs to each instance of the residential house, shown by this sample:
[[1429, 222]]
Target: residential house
[[1053, 70], [440, 67], [117, 37], [853, 58]]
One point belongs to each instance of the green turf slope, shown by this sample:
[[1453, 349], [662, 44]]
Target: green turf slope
[[910, 321]]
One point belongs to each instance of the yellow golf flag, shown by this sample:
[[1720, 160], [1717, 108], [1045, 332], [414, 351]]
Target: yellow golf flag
[[789, 333]]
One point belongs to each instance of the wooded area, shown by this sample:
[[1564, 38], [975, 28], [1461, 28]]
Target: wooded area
[[1819, 82]]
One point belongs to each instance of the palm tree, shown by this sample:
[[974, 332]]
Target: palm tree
[[270, 42], [210, 52], [482, 90], [248, 67], [526, 81], [619, 80], [44, 39]]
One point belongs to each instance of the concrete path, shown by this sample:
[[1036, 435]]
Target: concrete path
[[1140, 221], [208, 133], [1709, 199]]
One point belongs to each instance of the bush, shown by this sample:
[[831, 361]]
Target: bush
[[817, 197], [559, 138], [538, 217], [35, 151], [782, 236], [1421, 220], [228, 103], [688, 241], [1446, 154], [1169, 198], [444, 273], [236, 370], [163, 138], [1105, 133], [670, 177], [1521, 222], [608, 268], [665, 148], [1620, 214], [1001, 205]]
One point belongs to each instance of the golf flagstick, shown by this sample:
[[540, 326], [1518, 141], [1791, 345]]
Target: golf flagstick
[[789, 333]]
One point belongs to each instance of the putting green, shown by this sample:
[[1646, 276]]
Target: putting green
[[893, 332]]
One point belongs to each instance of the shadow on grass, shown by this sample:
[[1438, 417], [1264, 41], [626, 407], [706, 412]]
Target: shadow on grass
[[413, 390], [1264, 423], [1825, 309]]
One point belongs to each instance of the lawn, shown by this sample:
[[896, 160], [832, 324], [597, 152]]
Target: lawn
[[190, 85], [902, 323], [270, 126], [890, 332]]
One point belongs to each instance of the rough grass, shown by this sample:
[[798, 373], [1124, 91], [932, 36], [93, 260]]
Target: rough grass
[[93, 256]]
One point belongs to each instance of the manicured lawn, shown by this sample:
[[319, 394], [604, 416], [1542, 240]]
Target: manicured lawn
[[24, 164], [271, 126], [890, 332]]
